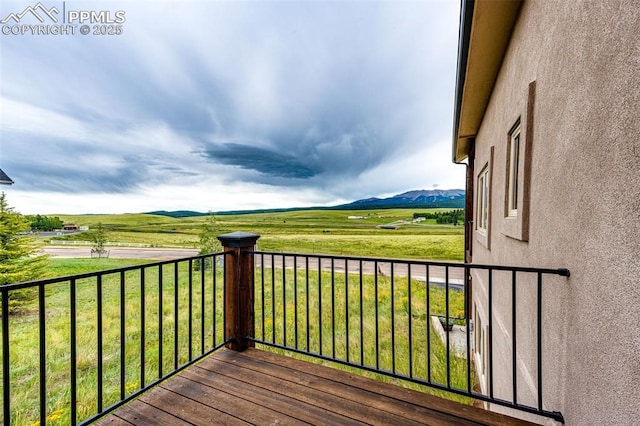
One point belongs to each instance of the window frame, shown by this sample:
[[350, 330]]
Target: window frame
[[480, 350], [514, 169], [483, 201], [517, 199], [484, 189]]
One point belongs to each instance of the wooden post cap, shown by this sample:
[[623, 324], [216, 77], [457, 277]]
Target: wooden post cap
[[238, 239]]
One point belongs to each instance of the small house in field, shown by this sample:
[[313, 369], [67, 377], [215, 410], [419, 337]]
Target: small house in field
[[70, 227], [547, 123]]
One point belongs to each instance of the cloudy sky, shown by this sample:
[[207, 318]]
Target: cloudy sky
[[220, 105]]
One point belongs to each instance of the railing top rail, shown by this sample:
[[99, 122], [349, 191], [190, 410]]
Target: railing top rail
[[56, 280], [558, 271]]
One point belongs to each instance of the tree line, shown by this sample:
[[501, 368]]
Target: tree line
[[44, 223], [452, 216]]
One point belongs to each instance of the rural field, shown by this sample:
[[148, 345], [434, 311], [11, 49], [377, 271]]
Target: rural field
[[307, 231], [311, 231]]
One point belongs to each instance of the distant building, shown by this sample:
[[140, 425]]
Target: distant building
[[387, 227], [70, 227], [4, 179]]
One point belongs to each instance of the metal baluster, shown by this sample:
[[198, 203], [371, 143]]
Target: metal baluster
[[410, 320], [123, 337], [142, 328], [160, 317], [320, 305], [513, 337], [446, 309], [74, 357], [190, 308], [43, 354], [99, 340]]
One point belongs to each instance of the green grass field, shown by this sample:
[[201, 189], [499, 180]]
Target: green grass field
[[24, 334], [340, 324], [308, 231], [329, 232], [347, 318]]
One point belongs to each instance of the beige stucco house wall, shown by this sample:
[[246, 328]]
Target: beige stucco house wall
[[568, 72]]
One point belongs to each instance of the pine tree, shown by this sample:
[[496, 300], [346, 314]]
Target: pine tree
[[20, 257]]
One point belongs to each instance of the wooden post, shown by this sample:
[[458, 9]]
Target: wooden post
[[238, 269]]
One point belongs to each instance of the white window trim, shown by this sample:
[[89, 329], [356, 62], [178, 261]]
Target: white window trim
[[483, 200], [514, 170], [479, 353]]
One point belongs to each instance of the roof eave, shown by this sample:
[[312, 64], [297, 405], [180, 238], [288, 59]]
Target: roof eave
[[485, 31], [4, 179]]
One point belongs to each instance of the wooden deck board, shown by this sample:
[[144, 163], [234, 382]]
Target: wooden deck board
[[229, 405], [315, 396], [257, 387], [397, 393], [258, 394], [339, 397]]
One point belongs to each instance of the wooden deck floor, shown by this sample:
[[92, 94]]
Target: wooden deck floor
[[257, 387]]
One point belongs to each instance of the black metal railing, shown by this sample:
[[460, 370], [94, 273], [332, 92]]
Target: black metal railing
[[98, 340], [390, 317], [102, 338]]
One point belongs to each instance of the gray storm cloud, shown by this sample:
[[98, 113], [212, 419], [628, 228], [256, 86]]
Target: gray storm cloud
[[279, 93]]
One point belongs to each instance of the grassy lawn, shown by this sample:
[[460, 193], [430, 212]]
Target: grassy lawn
[[384, 326], [342, 319], [62, 267], [309, 231], [24, 334]]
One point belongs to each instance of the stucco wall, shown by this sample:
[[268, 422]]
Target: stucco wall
[[585, 196]]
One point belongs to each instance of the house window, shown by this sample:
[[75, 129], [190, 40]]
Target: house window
[[483, 200], [514, 167], [480, 351], [518, 144], [479, 344]]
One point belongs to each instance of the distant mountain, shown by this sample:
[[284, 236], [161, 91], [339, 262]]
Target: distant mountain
[[178, 213], [191, 213], [425, 198]]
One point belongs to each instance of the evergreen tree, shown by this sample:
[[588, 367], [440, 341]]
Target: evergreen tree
[[20, 259]]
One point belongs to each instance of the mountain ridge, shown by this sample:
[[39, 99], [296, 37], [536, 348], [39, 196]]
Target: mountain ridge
[[422, 198]]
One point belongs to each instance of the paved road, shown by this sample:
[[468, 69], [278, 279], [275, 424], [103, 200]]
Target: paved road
[[121, 252]]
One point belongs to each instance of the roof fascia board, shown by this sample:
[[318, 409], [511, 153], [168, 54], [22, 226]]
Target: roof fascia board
[[481, 47]]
